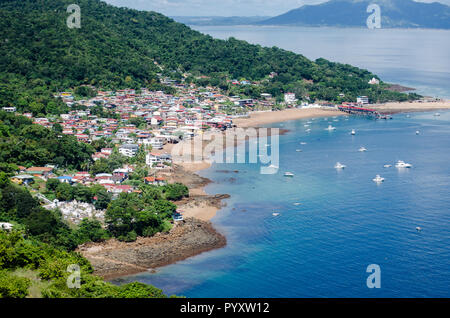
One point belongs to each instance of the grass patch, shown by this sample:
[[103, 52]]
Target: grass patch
[[37, 285]]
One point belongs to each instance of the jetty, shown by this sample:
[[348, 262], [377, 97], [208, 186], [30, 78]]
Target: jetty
[[362, 111]]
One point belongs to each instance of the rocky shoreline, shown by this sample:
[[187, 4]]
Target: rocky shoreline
[[112, 259]]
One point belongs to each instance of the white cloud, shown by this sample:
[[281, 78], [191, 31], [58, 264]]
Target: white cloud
[[221, 7]]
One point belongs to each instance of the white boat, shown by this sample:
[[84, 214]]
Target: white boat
[[288, 174], [339, 165], [275, 214], [330, 128], [418, 228], [306, 125], [417, 132], [387, 166], [353, 132], [362, 149], [273, 166], [402, 164], [437, 114], [297, 203], [303, 143], [298, 150], [308, 130], [378, 179]]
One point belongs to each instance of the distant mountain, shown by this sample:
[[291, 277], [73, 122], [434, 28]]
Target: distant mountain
[[353, 13], [215, 20]]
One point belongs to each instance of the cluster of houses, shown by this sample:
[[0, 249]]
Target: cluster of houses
[[133, 121]]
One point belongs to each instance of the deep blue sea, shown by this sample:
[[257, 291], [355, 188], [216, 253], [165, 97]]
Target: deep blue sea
[[345, 221]]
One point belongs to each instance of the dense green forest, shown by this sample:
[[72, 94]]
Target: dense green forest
[[117, 48], [27, 144]]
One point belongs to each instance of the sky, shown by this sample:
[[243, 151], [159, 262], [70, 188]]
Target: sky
[[221, 7]]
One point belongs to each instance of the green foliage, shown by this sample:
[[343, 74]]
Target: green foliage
[[132, 215], [28, 144], [103, 198], [91, 231], [175, 191], [12, 286], [85, 92], [52, 184]]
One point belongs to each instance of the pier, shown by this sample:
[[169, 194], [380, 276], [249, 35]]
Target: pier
[[361, 111]]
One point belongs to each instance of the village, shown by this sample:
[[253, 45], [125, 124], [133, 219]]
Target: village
[[141, 123]]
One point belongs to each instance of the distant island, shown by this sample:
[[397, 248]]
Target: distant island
[[353, 13], [343, 13]]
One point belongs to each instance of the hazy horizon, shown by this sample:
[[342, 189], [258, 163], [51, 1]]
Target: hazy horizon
[[226, 8]]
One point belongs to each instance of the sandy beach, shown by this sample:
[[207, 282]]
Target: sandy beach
[[196, 234], [415, 106], [202, 206], [258, 119]]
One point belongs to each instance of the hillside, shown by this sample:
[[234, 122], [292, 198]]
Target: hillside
[[352, 13], [117, 48]]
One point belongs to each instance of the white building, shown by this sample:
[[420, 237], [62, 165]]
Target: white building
[[362, 100], [374, 81], [129, 150], [289, 98]]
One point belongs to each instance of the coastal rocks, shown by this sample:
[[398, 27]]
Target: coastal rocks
[[190, 237]]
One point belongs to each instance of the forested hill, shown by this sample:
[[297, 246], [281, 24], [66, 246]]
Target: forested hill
[[117, 48], [353, 13]]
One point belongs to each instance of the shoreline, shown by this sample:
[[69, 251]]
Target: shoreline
[[114, 259], [147, 254]]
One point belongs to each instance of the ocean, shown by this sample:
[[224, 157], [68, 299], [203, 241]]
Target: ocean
[[334, 224], [416, 58]]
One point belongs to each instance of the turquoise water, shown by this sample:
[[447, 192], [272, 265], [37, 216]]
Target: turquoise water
[[345, 222], [415, 58]]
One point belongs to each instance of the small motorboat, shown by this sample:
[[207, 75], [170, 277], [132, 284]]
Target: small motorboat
[[275, 214], [297, 203], [303, 143], [437, 114], [418, 228], [339, 165], [308, 130], [288, 174], [298, 150], [330, 128], [417, 132], [378, 179], [387, 166], [362, 149], [402, 164], [353, 132], [305, 125]]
